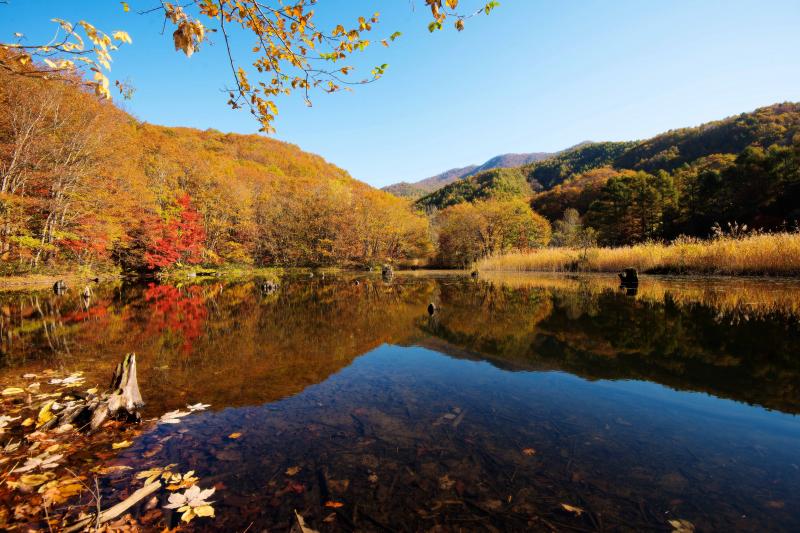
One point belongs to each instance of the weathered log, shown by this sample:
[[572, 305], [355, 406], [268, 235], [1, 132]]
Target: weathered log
[[629, 277], [116, 510]]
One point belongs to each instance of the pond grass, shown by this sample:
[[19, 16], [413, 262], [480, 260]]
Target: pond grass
[[776, 254]]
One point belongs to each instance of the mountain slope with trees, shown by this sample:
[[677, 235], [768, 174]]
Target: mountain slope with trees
[[742, 169], [85, 185]]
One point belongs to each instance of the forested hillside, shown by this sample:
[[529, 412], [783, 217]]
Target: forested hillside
[[84, 184], [742, 169]]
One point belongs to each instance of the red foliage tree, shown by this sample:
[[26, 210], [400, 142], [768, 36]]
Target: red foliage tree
[[178, 239]]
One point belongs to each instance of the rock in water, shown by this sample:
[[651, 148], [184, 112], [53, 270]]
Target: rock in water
[[629, 277], [59, 287]]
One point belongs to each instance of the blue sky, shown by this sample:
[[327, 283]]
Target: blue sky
[[535, 75]]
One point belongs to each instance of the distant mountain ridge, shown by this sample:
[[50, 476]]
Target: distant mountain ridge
[[428, 185], [743, 169]]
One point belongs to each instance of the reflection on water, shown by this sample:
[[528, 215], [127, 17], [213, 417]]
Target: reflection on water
[[519, 394]]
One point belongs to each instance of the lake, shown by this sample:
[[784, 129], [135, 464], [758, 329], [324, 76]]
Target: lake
[[520, 395]]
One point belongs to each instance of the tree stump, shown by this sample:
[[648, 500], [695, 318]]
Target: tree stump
[[123, 398], [121, 401], [629, 277]]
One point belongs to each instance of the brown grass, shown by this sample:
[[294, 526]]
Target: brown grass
[[766, 254]]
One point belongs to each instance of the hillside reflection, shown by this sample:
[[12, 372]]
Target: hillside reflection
[[230, 344]]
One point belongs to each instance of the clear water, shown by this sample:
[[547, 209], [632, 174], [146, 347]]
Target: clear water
[[520, 394]]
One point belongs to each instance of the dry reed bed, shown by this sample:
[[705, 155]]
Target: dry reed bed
[[765, 254]]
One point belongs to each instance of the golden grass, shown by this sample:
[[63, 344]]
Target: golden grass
[[767, 254]]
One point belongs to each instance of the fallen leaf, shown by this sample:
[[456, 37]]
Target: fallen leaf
[[173, 417], [572, 509], [191, 503], [334, 505], [43, 461], [680, 525], [27, 422], [234, 435], [34, 480], [122, 444], [12, 390], [301, 523], [292, 470], [45, 415], [528, 451]]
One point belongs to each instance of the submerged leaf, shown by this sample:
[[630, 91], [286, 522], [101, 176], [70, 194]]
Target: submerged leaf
[[572, 509], [681, 526]]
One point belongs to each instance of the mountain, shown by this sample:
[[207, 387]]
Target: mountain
[[428, 185], [510, 161], [667, 152], [434, 183]]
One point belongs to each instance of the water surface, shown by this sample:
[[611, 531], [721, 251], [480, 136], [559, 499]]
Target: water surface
[[520, 394]]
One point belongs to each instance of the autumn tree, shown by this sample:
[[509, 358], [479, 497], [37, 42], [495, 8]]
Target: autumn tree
[[178, 237], [469, 231], [570, 231]]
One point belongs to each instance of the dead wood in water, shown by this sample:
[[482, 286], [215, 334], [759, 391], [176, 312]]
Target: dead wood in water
[[121, 400]]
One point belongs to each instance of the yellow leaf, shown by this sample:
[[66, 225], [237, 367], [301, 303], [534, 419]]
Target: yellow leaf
[[681, 526], [292, 470], [120, 445], [125, 6], [12, 390], [27, 422], [34, 480], [45, 415], [572, 509], [122, 36], [204, 510], [235, 435]]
